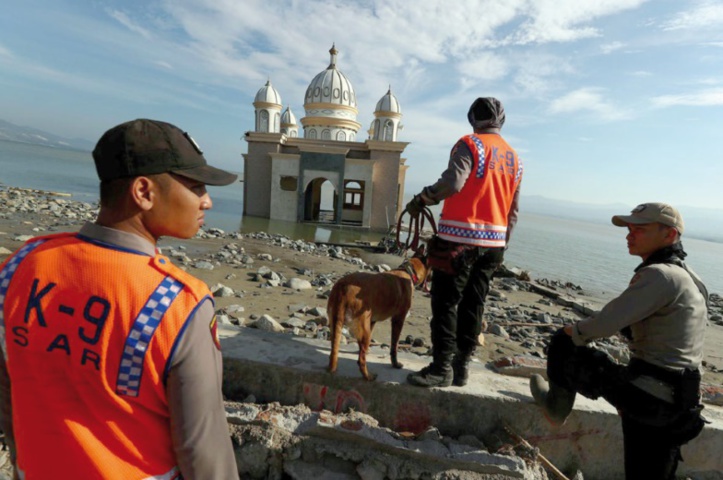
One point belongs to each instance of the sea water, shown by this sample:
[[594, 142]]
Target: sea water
[[591, 255]]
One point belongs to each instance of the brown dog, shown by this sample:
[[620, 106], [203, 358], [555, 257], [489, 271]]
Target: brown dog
[[361, 299]]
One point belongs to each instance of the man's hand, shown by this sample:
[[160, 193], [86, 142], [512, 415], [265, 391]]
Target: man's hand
[[415, 206]]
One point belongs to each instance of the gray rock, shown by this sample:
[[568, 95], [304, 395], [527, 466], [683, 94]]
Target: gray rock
[[318, 312], [293, 322], [498, 330], [268, 324], [298, 284], [202, 265], [221, 290]]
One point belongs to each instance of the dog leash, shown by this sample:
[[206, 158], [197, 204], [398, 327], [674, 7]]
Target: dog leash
[[416, 225]]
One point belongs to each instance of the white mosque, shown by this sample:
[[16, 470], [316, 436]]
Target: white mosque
[[284, 172]]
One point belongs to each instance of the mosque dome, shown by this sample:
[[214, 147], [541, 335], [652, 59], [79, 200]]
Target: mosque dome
[[388, 103], [288, 117], [330, 105], [268, 94], [331, 86]]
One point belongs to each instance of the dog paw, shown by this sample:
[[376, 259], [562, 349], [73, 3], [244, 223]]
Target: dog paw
[[398, 365], [371, 377]]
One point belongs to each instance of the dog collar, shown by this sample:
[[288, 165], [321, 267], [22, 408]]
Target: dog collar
[[406, 266]]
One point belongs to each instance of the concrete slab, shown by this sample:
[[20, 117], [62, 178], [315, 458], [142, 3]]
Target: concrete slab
[[292, 370]]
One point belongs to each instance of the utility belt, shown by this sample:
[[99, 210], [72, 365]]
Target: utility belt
[[679, 388], [679, 411]]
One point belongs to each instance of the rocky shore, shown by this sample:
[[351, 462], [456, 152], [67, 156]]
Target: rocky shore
[[275, 283], [268, 281]]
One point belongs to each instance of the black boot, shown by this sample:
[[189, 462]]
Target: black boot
[[436, 374], [556, 401], [460, 368]]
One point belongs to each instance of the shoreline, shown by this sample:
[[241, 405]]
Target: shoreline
[[259, 275]]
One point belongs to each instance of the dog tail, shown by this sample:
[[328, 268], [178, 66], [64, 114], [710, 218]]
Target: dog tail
[[335, 308]]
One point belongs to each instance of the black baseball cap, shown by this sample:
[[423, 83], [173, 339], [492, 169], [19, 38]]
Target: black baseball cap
[[148, 147]]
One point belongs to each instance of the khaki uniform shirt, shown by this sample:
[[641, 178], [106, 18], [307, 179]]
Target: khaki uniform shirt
[[665, 307]]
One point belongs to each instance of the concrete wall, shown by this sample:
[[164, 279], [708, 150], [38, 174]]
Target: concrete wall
[[257, 172], [285, 203], [290, 370], [386, 181]]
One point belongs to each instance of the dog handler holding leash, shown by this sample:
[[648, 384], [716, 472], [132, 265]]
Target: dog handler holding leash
[[480, 189]]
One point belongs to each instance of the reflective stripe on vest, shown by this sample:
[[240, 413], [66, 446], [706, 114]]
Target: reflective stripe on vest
[[129, 375], [5, 276]]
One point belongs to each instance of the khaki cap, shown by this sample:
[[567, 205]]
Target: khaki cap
[[651, 213]]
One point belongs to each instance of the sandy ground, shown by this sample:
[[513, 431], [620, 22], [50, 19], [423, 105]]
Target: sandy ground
[[276, 301]]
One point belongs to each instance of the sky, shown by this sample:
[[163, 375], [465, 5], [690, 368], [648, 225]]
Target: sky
[[607, 101]]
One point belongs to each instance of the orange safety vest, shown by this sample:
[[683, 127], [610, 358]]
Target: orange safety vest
[[89, 330], [477, 214]]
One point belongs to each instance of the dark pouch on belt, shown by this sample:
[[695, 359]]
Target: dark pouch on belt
[[445, 256], [687, 392]]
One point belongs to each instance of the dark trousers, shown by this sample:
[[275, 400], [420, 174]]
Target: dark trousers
[[653, 429], [458, 302]]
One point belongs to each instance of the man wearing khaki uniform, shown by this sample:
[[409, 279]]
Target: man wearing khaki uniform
[[663, 314]]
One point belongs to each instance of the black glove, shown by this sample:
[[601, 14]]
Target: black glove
[[415, 206]]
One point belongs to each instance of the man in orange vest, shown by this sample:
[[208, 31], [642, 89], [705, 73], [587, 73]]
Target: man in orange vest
[[480, 189], [111, 365]]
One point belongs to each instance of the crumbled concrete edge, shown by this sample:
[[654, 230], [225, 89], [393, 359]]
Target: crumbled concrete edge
[[271, 439]]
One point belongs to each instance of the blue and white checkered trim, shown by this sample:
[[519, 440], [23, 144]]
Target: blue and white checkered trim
[[5, 276], [480, 156], [136, 346], [471, 233], [519, 170]]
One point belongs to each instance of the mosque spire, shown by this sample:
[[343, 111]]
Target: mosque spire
[[333, 51]]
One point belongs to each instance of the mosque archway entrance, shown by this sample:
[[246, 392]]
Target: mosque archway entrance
[[320, 202]]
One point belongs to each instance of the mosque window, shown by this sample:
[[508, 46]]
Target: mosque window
[[289, 184], [317, 91], [388, 131], [311, 134], [354, 195], [326, 91], [326, 134], [293, 133], [336, 93], [341, 136], [345, 95], [264, 122], [377, 129]]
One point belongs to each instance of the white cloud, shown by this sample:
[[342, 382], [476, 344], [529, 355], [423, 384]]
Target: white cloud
[[124, 20], [704, 15], [566, 20], [641, 73], [588, 100], [163, 64], [704, 98], [608, 48]]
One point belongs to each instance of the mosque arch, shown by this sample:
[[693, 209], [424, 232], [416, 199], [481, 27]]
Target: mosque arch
[[320, 201]]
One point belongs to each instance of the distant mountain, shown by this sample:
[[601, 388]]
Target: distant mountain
[[17, 133]]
